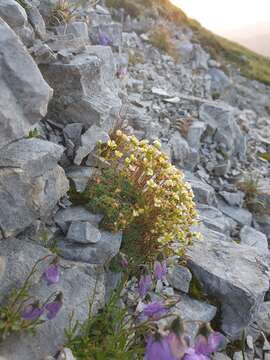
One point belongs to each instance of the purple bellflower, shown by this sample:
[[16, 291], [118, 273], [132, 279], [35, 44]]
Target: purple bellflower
[[54, 307], [204, 347], [144, 285], [52, 273], [154, 310], [160, 270], [158, 350], [32, 312]]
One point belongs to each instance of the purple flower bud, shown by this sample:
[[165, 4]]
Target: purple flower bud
[[145, 285], [201, 345], [104, 40], [192, 355], [52, 273], [160, 270], [158, 350], [124, 263], [214, 341], [32, 312], [204, 347], [178, 345], [154, 309], [54, 307]]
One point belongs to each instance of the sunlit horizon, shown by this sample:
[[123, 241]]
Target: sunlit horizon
[[225, 17]]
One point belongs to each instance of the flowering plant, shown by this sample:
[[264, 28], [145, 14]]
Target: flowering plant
[[141, 191], [139, 323], [22, 312]]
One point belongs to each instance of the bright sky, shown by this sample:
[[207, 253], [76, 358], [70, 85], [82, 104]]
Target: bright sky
[[222, 16]]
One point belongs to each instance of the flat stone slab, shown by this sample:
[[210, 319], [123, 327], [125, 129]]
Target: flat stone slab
[[235, 276]]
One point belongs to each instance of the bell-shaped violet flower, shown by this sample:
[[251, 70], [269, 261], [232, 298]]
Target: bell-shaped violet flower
[[54, 307], [207, 346], [52, 273], [191, 354], [144, 285], [154, 309], [160, 270], [158, 350], [32, 312], [214, 341], [178, 345], [204, 347]]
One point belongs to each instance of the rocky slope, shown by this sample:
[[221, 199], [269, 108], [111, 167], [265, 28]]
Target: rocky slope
[[64, 88]]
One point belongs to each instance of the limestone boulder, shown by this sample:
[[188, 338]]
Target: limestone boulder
[[24, 94], [234, 276], [84, 88], [31, 183]]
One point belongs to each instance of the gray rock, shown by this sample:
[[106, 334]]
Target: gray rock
[[222, 169], [15, 214], [194, 312], [83, 232], [185, 49], [235, 275], [64, 217], [195, 132], [233, 198], [31, 183], [34, 156], [78, 284], [35, 19], [97, 254], [2, 267], [214, 219], [241, 216], [263, 222], [42, 53], [180, 148], [13, 13], [263, 318], [73, 132], [204, 193], [251, 237], [220, 119], [76, 28], [179, 277], [199, 57], [85, 90], [80, 176], [47, 190], [24, 93], [220, 81], [210, 234], [89, 141], [220, 356], [15, 16]]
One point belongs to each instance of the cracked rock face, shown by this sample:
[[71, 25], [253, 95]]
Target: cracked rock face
[[84, 89], [235, 276], [31, 183], [24, 93]]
